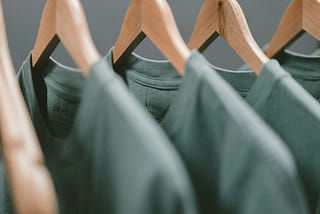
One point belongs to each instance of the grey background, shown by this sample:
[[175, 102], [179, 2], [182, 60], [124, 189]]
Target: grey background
[[105, 18]]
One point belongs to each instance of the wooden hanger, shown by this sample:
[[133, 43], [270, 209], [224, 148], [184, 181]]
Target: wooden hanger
[[154, 19], [226, 18], [65, 20], [301, 16], [31, 187]]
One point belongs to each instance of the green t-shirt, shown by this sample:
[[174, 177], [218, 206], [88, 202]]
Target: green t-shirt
[[237, 164], [104, 153], [290, 111], [5, 203], [305, 69]]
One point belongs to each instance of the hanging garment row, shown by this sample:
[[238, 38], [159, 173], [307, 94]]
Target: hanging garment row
[[124, 134]]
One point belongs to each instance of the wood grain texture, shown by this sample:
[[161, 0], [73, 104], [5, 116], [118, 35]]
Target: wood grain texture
[[290, 26], [226, 18], [154, 19], [311, 18], [301, 16], [65, 21], [31, 187]]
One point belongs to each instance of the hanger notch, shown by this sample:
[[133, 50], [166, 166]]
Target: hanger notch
[[152, 19], [65, 21], [301, 16], [226, 18], [21, 150]]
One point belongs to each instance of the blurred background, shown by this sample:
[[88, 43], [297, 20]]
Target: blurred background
[[105, 19]]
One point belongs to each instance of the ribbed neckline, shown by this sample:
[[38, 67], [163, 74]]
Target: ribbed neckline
[[68, 82], [152, 73], [300, 65], [161, 74]]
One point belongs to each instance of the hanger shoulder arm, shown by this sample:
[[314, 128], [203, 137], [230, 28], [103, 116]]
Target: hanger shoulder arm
[[23, 159], [20, 147], [154, 19], [206, 27], [46, 40], [73, 31], [131, 33], [65, 21], [235, 30], [159, 25], [226, 18], [311, 18], [289, 29]]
